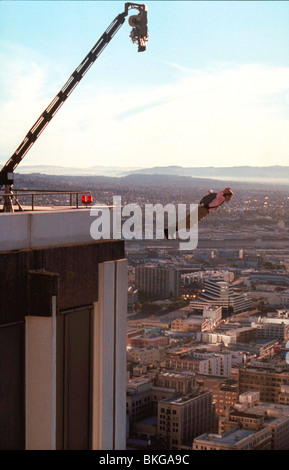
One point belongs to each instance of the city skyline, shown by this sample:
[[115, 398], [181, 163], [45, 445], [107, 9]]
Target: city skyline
[[210, 90], [175, 367]]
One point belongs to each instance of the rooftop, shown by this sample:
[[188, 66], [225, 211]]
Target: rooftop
[[177, 374], [181, 399], [229, 438]]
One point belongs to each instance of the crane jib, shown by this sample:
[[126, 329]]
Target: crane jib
[[6, 174]]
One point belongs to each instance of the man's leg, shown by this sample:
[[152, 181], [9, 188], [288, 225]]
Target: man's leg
[[202, 212]]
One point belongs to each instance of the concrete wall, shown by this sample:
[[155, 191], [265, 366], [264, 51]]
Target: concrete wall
[[20, 230], [40, 384], [107, 363], [109, 358], [69, 271], [45, 256]]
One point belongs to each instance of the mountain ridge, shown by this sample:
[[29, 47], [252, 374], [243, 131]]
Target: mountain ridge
[[272, 173]]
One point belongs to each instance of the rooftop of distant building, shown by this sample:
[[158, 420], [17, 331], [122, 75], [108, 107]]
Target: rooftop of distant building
[[228, 438]]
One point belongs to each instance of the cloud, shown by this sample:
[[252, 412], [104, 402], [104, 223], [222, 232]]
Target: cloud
[[228, 115]]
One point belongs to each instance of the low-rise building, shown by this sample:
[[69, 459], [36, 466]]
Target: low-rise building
[[181, 381], [132, 299], [277, 316], [171, 383], [210, 318], [242, 419], [193, 323], [182, 418], [284, 395], [138, 399], [145, 429], [226, 396], [202, 362], [213, 313], [273, 329], [229, 336], [267, 382], [251, 413], [144, 356], [235, 439], [284, 298], [148, 340]]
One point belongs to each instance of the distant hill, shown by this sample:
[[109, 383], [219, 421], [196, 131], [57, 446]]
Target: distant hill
[[238, 173], [141, 179], [62, 170], [275, 174]]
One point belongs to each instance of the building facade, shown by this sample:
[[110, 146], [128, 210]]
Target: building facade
[[144, 356], [225, 397], [62, 334], [276, 330], [204, 363], [267, 382], [138, 399], [132, 299], [249, 413], [235, 439], [182, 418], [158, 282], [181, 382], [218, 293]]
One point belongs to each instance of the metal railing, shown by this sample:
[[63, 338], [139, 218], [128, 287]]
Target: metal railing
[[74, 200]]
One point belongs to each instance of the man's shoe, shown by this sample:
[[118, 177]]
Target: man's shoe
[[172, 232]]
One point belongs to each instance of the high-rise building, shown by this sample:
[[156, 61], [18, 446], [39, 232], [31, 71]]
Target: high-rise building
[[63, 333], [158, 282]]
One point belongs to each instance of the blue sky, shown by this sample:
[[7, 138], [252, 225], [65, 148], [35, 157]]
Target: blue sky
[[212, 89]]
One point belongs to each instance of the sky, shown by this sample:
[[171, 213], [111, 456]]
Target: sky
[[212, 88]]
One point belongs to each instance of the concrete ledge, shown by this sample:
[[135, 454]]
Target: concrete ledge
[[35, 229], [14, 231]]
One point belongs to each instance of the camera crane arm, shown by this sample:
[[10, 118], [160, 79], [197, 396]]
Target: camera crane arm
[[138, 34]]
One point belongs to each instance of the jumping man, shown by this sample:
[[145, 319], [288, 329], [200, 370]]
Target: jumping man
[[209, 203]]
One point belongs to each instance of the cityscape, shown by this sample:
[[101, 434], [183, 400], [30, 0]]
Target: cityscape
[[209, 361], [115, 335], [207, 330]]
